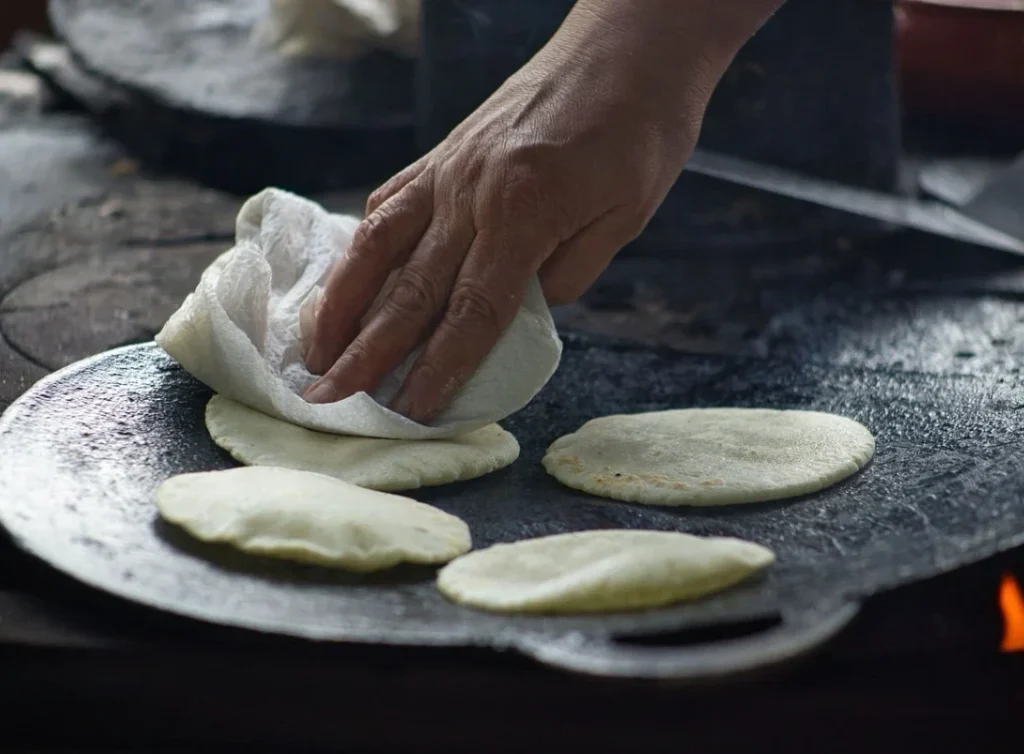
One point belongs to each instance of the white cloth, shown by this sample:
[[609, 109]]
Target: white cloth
[[241, 331], [340, 29]]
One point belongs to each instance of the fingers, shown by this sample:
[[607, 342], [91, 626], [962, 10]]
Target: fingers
[[483, 301], [382, 242], [578, 262], [410, 310], [395, 184]]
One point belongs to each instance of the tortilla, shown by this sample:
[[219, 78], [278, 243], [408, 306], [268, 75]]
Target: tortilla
[[255, 439], [599, 571], [310, 518], [710, 456]]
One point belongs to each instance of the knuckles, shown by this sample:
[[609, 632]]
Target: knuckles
[[524, 184], [371, 237], [414, 296], [377, 198], [471, 308], [356, 366]]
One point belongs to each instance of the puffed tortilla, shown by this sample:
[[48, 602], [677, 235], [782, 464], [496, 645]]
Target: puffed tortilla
[[710, 456], [255, 439], [599, 571], [310, 518]]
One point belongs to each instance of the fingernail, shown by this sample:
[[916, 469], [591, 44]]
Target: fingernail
[[404, 406], [320, 392], [401, 405], [410, 410], [313, 359]]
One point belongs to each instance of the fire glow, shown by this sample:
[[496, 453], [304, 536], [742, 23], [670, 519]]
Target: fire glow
[[1011, 602]]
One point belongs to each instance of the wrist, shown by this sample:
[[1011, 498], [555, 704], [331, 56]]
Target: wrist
[[666, 41]]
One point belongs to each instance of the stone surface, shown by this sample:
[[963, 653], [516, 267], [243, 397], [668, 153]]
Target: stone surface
[[45, 162], [17, 374], [86, 307], [49, 161], [140, 213], [109, 270]]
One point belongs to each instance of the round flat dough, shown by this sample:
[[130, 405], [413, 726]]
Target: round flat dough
[[310, 518], [256, 439], [710, 456], [599, 571]]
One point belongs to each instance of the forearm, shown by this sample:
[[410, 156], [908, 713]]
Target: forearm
[[671, 43]]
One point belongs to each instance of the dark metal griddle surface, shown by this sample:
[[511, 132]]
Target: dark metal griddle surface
[[81, 453], [197, 55], [183, 86]]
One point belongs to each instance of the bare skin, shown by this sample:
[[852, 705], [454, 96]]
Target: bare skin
[[563, 166]]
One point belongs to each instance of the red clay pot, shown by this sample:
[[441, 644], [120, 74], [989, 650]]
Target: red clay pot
[[962, 58]]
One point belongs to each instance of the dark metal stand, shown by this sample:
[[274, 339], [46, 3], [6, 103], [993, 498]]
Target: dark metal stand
[[813, 91]]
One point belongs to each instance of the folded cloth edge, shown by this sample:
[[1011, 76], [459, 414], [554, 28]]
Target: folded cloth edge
[[193, 337]]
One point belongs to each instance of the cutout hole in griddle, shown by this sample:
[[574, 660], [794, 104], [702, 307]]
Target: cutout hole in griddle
[[707, 634]]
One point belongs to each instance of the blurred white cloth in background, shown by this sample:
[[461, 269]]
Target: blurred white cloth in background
[[340, 29]]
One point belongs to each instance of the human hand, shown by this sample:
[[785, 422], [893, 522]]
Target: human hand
[[558, 170]]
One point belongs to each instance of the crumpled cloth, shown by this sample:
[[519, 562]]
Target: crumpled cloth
[[339, 29], [242, 330]]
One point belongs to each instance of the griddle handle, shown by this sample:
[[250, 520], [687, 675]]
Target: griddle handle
[[793, 637]]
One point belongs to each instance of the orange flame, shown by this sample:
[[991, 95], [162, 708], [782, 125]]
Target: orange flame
[[1011, 602]]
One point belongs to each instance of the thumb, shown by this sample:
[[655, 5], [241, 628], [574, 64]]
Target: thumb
[[578, 262]]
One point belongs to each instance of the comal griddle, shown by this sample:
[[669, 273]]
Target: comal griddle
[[183, 85], [81, 453]]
